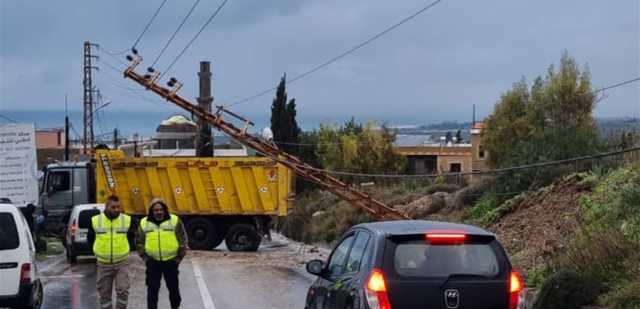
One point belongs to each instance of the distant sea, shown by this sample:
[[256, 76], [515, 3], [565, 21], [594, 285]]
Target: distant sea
[[128, 122], [145, 123]]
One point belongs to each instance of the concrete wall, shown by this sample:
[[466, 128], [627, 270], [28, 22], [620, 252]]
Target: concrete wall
[[50, 139], [444, 163]]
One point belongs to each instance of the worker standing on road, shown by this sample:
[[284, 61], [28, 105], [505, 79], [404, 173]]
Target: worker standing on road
[[111, 236], [162, 244]]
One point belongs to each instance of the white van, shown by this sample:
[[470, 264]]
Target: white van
[[20, 286], [76, 229]]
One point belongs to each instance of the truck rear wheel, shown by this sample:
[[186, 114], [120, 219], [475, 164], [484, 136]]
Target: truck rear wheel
[[202, 234], [242, 237]]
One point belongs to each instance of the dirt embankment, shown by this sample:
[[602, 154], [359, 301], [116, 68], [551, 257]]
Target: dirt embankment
[[541, 223], [531, 226]]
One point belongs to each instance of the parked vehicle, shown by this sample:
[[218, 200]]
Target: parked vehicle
[[415, 264], [20, 286], [232, 198], [75, 236]]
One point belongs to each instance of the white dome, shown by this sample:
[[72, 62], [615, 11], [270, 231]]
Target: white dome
[[176, 119]]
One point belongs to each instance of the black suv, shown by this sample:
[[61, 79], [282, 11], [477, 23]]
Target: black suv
[[415, 264]]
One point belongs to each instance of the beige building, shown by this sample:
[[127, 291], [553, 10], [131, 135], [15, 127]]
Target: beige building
[[446, 157]]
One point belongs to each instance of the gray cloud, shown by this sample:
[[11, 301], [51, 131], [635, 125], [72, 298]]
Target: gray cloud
[[433, 68]]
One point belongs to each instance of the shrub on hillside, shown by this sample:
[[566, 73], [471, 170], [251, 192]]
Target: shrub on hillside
[[441, 187], [608, 246], [567, 290]]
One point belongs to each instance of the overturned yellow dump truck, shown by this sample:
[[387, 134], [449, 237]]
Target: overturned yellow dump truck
[[231, 198]]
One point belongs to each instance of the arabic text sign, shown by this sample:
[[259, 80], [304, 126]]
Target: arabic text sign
[[18, 163]]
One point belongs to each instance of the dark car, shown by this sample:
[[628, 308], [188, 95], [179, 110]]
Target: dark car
[[415, 264]]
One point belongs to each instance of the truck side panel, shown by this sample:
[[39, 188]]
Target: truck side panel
[[195, 186]]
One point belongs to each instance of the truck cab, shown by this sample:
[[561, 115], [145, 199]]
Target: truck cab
[[64, 185]]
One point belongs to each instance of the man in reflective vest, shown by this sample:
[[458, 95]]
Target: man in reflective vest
[[111, 236], [162, 244]]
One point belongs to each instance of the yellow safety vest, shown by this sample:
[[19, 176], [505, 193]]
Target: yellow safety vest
[[111, 245], [160, 242]]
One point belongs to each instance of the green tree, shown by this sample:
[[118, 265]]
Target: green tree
[[550, 121], [358, 148], [283, 119]]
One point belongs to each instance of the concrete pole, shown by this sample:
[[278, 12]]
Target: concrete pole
[[204, 139]]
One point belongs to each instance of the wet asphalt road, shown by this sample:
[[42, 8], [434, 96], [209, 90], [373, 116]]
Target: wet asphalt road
[[211, 280]]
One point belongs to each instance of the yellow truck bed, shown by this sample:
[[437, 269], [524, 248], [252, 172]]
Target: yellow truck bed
[[195, 186]]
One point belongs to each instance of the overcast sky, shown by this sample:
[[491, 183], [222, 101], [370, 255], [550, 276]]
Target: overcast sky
[[433, 68]]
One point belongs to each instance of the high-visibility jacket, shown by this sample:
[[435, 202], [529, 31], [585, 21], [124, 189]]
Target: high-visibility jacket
[[111, 244], [160, 242]]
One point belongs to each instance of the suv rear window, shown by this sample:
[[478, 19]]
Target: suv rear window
[[84, 218], [8, 232], [418, 258]]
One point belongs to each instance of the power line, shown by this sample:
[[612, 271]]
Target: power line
[[343, 54], [8, 119], [485, 172], [149, 24], [184, 20], [617, 85], [132, 91], [215, 13], [115, 69], [113, 54]]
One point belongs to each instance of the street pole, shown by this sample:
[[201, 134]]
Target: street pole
[[135, 145], [115, 138], [87, 83], [66, 130]]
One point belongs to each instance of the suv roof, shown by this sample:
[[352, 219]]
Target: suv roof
[[412, 227], [68, 164], [88, 206], [8, 207]]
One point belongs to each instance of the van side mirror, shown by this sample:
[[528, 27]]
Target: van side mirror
[[315, 267]]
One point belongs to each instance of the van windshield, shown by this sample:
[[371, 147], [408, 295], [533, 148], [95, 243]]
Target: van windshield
[[8, 232]]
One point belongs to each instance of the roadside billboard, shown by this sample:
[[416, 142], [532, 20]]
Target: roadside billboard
[[18, 163]]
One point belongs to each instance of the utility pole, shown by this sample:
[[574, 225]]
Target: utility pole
[[204, 139], [473, 120], [115, 138], [135, 145], [88, 96], [66, 130]]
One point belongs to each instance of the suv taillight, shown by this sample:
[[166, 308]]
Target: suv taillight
[[516, 286], [376, 291], [25, 273]]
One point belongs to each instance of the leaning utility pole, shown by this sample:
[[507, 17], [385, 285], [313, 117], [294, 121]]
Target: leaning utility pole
[[204, 140], [88, 96]]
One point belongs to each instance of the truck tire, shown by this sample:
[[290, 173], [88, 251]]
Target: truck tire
[[202, 234], [242, 237]]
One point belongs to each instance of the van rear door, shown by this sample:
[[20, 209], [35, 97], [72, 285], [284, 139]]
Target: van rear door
[[11, 256], [457, 272]]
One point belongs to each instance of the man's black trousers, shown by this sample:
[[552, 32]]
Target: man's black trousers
[[155, 271]]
